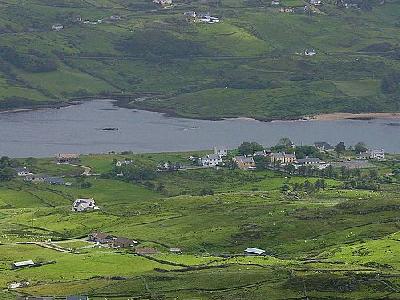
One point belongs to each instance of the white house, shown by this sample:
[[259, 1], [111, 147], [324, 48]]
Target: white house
[[310, 52], [262, 153], [206, 18], [23, 172], [163, 2], [376, 154], [316, 2], [211, 160], [84, 205], [221, 151], [324, 146], [23, 264], [313, 162], [121, 163], [190, 14], [57, 27], [254, 251]]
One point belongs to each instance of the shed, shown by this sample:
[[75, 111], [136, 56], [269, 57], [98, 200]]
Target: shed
[[23, 264], [254, 251]]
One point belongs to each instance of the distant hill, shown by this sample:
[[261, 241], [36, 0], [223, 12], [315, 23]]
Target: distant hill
[[261, 60]]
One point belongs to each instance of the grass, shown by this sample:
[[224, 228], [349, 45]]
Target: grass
[[249, 64], [328, 243]]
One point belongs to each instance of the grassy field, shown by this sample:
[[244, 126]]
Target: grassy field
[[250, 64], [322, 245]]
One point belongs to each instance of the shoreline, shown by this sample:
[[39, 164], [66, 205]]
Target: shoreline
[[121, 101], [355, 116]]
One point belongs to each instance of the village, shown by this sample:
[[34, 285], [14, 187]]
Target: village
[[95, 222]]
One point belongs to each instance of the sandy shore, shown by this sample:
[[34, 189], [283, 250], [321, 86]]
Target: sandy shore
[[349, 116]]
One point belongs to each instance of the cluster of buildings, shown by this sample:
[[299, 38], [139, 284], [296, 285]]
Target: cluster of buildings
[[109, 240], [378, 154], [311, 2], [215, 159], [67, 158], [124, 162], [310, 7], [201, 17], [28, 176], [78, 19], [247, 162], [62, 158], [163, 3], [52, 298]]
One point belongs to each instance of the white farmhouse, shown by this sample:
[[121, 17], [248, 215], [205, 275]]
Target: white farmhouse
[[84, 205], [310, 52], [211, 160], [376, 154], [254, 251], [125, 162], [57, 27], [23, 172]]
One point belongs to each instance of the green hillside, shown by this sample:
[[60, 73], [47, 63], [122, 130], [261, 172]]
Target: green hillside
[[251, 63], [333, 242]]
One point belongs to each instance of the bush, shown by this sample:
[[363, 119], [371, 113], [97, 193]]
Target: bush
[[390, 83], [155, 45], [35, 62]]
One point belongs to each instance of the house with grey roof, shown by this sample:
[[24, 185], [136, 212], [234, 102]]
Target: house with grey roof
[[22, 171], [245, 162], [23, 264], [314, 162], [378, 154], [211, 160]]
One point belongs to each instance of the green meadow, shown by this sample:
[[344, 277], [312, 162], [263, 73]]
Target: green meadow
[[250, 64], [333, 243]]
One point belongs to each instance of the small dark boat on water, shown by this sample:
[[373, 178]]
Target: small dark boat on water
[[110, 129]]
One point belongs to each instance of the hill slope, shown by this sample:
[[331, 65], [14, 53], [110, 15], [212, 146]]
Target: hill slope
[[251, 63]]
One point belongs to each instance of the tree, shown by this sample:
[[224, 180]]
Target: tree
[[344, 172], [320, 184], [309, 187], [390, 83], [7, 174], [360, 147], [290, 168], [285, 141], [139, 172], [340, 148], [206, 191], [262, 162], [248, 148], [310, 151], [285, 188], [373, 174]]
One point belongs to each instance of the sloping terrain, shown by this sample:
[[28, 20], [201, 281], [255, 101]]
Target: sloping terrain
[[333, 243], [252, 63]]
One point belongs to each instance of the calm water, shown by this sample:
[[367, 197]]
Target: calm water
[[78, 129]]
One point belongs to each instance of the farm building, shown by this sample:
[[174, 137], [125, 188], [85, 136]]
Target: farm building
[[84, 205]]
